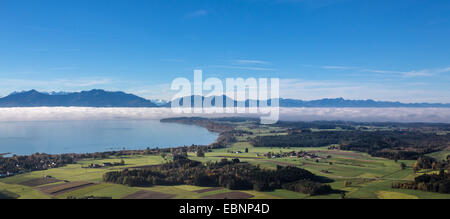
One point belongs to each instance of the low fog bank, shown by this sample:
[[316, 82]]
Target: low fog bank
[[288, 114], [432, 115]]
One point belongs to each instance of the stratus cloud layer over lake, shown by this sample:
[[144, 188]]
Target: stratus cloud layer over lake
[[289, 114]]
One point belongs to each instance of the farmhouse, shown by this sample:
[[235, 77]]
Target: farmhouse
[[107, 164], [92, 165]]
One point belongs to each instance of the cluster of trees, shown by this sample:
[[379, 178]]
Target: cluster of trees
[[231, 174], [19, 164], [348, 125], [317, 125], [303, 139], [227, 138], [308, 187], [400, 154], [406, 145], [428, 163], [396, 145], [41, 161], [427, 182]]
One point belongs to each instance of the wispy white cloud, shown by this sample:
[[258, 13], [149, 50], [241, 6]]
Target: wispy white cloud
[[405, 74], [243, 67], [337, 67], [249, 61], [427, 72], [60, 82], [197, 13]]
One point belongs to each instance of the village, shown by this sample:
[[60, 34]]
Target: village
[[106, 164], [291, 154], [294, 154]]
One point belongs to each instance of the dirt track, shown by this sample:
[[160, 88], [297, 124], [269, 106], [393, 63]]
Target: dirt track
[[39, 181], [229, 195], [207, 190], [144, 194], [63, 188], [344, 153]]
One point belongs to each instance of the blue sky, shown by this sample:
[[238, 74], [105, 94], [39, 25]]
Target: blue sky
[[357, 49]]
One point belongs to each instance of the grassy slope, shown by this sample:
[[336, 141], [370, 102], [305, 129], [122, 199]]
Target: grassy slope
[[440, 155]]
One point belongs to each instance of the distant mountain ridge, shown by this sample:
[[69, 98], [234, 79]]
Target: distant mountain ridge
[[341, 102], [326, 102], [92, 98], [102, 98]]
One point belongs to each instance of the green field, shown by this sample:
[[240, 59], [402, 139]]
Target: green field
[[440, 155], [370, 177]]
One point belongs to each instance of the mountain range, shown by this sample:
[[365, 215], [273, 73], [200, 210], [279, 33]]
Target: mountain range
[[102, 98], [92, 98]]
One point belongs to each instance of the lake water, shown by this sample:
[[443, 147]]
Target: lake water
[[55, 137]]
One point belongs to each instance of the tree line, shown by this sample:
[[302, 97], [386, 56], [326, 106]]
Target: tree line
[[20, 164], [406, 145], [429, 163], [231, 174], [427, 182]]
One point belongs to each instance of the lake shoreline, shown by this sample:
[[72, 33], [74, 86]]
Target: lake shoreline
[[67, 137]]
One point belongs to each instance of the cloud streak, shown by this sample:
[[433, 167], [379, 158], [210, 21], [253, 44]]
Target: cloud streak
[[7, 86], [243, 68], [248, 61], [59, 82], [405, 74], [337, 67], [198, 13]]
